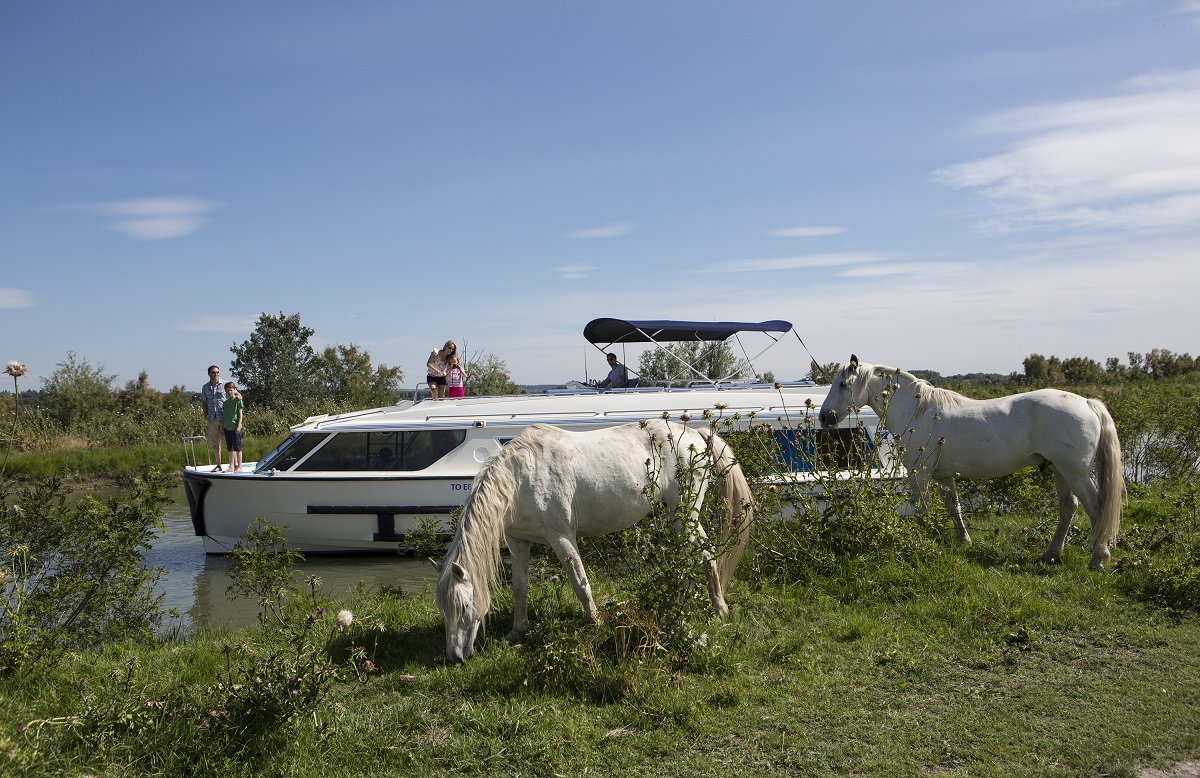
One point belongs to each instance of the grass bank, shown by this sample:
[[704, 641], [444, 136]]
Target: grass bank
[[974, 661], [82, 463]]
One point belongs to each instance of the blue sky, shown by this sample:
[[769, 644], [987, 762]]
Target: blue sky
[[938, 185]]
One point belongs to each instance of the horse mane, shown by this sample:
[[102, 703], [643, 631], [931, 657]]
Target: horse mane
[[929, 396], [476, 544]]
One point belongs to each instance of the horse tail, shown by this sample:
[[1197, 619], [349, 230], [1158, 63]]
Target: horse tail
[[734, 490], [1110, 479]]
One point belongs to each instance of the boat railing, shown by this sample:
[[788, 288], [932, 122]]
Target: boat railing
[[189, 450]]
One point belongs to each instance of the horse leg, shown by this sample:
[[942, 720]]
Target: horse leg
[[954, 507], [519, 550], [1073, 484], [699, 539], [568, 553], [716, 594], [1066, 509]]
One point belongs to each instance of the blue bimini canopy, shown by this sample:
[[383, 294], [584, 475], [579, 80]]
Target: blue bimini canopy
[[611, 331]]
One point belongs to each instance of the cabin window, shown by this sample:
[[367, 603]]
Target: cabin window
[[842, 448], [395, 451]]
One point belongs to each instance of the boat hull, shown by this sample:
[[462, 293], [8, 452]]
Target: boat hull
[[323, 514]]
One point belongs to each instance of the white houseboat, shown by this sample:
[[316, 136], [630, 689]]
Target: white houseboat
[[360, 481]]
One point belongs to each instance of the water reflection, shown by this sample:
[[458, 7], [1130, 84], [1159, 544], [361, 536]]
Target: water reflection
[[194, 583]]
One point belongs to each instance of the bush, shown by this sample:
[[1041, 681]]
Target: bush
[[71, 573]]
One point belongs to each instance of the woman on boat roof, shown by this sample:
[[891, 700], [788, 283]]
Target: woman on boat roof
[[437, 367]]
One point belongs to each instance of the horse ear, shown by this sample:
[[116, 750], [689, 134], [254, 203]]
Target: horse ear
[[436, 566], [459, 573], [854, 362]]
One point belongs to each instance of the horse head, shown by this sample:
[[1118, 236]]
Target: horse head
[[845, 393], [455, 596]]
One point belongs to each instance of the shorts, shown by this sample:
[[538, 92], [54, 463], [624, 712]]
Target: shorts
[[440, 380], [233, 440], [213, 431], [455, 391]]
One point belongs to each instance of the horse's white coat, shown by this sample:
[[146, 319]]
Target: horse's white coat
[[552, 486], [946, 435]]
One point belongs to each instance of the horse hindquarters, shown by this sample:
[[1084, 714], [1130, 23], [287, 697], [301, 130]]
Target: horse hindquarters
[[1101, 497]]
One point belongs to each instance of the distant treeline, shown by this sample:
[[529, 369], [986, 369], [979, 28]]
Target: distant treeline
[[1040, 370]]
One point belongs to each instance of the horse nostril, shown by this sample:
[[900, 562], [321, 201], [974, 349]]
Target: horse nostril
[[828, 418]]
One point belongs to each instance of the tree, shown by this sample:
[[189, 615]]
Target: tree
[[76, 392], [692, 360], [177, 399], [138, 399], [276, 366], [822, 374], [488, 374], [346, 375], [1037, 368], [1082, 370]]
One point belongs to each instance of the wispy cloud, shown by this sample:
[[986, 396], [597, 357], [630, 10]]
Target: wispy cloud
[[226, 325], [569, 272], [806, 232], [904, 269], [1188, 7], [1130, 161], [154, 218], [17, 298], [615, 230], [794, 263]]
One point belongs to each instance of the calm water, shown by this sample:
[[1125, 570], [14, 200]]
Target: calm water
[[194, 583]]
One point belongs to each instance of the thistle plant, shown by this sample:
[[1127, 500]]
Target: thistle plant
[[16, 370]]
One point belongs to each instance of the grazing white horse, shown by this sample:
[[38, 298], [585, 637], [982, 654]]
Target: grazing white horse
[[946, 435], [552, 486]]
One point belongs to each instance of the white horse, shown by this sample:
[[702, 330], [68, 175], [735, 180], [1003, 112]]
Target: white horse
[[552, 486], [946, 435]]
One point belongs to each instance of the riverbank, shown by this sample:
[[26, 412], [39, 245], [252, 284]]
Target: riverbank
[[964, 661], [82, 467]]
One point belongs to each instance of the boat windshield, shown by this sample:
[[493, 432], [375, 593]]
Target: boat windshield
[[292, 450]]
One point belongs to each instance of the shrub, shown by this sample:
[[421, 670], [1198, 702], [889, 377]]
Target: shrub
[[71, 572]]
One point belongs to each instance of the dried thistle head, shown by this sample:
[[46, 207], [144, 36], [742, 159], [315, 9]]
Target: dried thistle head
[[15, 369]]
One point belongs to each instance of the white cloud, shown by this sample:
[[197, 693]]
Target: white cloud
[[1129, 161], [795, 263], [615, 230], [806, 232], [155, 218], [226, 325], [17, 298], [574, 271]]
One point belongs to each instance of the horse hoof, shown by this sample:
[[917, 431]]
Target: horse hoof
[[515, 636], [1051, 559]]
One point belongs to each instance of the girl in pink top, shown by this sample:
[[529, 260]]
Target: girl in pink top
[[455, 377]]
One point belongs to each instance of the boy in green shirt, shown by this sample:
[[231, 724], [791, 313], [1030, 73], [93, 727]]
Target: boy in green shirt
[[234, 411]]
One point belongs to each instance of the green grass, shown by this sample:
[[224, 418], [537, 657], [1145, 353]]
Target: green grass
[[115, 463], [976, 661]]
